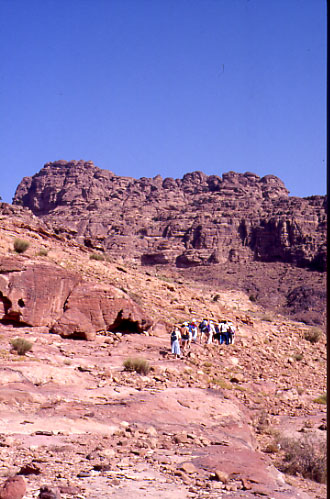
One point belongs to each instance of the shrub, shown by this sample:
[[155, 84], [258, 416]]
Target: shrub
[[322, 399], [43, 252], [267, 318], [306, 457], [21, 345], [208, 364], [141, 366], [165, 278], [20, 246], [97, 256], [271, 448], [298, 356], [216, 297], [252, 298], [313, 335], [221, 383]]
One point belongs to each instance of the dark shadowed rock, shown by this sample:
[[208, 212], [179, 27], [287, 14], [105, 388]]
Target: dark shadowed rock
[[49, 493]]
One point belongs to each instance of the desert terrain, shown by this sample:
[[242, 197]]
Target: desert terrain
[[243, 420]]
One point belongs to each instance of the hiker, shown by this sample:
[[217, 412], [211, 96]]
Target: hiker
[[231, 333], [175, 342], [204, 328], [217, 333], [211, 332], [193, 330], [223, 332], [185, 337]]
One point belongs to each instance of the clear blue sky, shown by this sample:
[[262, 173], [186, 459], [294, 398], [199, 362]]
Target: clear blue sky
[[147, 87]]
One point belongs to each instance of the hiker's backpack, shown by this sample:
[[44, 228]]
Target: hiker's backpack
[[202, 326], [174, 336]]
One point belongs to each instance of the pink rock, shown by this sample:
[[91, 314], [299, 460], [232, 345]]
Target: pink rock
[[13, 488]]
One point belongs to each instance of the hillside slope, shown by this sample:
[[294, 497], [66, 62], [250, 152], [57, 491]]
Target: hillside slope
[[207, 425], [238, 231]]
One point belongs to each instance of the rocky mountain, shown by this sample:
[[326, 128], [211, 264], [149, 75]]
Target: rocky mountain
[[216, 229], [196, 220]]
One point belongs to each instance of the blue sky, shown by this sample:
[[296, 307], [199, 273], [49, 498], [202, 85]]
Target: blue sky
[[147, 87]]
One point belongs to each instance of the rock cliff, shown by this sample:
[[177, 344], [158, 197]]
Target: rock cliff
[[193, 221]]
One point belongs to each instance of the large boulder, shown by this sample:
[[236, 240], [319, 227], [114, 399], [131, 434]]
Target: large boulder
[[91, 308], [13, 488], [44, 294], [33, 293]]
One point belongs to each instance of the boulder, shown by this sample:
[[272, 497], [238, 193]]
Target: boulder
[[43, 294], [91, 308], [13, 488], [27, 293]]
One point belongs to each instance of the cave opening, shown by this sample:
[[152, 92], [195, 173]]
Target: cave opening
[[124, 326]]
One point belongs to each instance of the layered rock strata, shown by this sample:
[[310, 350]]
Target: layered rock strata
[[193, 221]]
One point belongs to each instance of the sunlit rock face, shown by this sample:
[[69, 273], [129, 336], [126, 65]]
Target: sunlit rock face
[[45, 295], [194, 221]]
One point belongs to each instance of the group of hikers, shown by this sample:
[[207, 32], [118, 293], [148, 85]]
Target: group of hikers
[[183, 335]]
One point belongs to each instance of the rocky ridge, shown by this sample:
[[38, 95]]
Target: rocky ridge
[[195, 220], [74, 423]]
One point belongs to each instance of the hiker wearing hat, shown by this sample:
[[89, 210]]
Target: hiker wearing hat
[[185, 337], [175, 342], [193, 331]]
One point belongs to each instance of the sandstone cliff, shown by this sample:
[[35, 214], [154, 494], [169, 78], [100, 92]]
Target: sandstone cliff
[[193, 221]]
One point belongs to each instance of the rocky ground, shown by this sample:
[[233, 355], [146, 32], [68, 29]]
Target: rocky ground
[[212, 424]]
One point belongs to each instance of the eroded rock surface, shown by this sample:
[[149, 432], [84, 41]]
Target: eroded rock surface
[[44, 294], [196, 220]]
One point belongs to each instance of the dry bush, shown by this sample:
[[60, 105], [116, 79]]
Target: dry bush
[[21, 345], [141, 366], [97, 256], [43, 252], [267, 318], [313, 335], [20, 246], [262, 423], [221, 383], [306, 457], [322, 399]]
